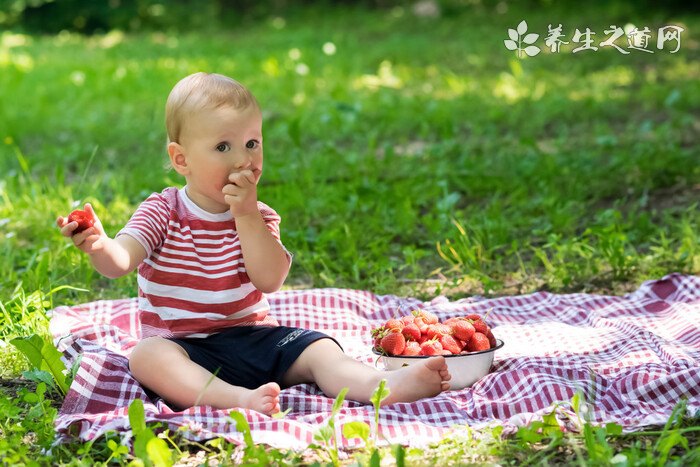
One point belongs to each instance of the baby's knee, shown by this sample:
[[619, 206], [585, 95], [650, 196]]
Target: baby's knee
[[150, 353]]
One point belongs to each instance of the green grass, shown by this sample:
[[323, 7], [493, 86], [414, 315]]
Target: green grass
[[421, 158]]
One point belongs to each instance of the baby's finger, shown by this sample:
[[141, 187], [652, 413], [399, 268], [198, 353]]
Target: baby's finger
[[235, 179], [91, 234], [89, 210], [249, 176], [68, 228], [242, 178], [230, 198], [233, 190]]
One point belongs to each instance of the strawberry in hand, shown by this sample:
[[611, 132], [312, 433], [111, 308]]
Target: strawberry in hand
[[84, 228], [84, 219]]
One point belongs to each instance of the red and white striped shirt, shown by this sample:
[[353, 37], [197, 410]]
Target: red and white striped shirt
[[193, 282]]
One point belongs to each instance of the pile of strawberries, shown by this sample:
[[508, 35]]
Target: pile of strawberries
[[422, 334]]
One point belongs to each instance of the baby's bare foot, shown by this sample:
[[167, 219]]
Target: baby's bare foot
[[264, 399], [425, 379]]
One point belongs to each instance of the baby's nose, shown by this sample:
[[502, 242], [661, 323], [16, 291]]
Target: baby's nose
[[243, 162]]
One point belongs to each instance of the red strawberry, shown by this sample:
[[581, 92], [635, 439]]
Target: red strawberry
[[427, 317], [449, 343], [463, 330], [450, 322], [473, 317], [479, 326], [445, 352], [412, 348], [394, 343], [422, 327], [431, 347], [83, 218], [438, 330], [411, 332], [378, 334], [408, 319], [492, 339], [394, 324], [478, 342]]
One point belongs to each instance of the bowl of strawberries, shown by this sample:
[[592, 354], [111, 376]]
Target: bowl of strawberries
[[466, 342]]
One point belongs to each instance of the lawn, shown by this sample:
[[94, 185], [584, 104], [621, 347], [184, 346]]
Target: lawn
[[406, 154]]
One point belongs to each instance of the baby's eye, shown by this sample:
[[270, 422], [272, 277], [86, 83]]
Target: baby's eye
[[251, 144], [223, 147]]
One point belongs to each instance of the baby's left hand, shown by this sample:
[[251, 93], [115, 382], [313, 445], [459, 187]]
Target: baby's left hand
[[242, 193]]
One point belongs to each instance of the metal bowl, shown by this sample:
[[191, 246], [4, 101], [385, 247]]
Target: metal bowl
[[466, 369]]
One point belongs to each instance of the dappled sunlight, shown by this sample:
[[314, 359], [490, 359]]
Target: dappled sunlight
[[9, 40], [77, 78], [302, 69], [167, 40], [20, 59], [431, 81], [111, 39], [329, 48], [457, 86], [605, 85], [271, 67], [66, 37], [511, 89], [385, 77], [681, 70]]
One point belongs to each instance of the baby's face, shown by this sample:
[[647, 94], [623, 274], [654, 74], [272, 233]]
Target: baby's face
[[218, 143]]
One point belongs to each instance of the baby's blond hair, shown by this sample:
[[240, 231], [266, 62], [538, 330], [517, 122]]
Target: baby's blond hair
[[201, 91]]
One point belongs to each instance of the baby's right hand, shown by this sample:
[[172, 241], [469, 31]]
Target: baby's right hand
[[89, 240]]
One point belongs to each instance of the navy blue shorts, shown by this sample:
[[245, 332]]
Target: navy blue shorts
[[250, 356]]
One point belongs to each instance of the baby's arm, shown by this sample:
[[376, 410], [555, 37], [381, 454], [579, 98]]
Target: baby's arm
[[110, 257], [265, 259]]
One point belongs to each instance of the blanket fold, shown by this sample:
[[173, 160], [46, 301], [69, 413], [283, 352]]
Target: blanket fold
[[632, 358]]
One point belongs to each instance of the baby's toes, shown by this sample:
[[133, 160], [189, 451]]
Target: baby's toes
[[274, 406]]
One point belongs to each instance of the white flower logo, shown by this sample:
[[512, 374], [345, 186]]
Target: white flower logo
[[515, 41]]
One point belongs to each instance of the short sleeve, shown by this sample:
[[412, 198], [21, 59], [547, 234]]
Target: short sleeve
[[272, 221], [149, 224]]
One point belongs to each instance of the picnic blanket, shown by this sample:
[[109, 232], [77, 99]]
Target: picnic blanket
[[632, 358]]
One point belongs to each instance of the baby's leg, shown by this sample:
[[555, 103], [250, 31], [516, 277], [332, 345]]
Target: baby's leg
[[165, 368], [325, 364]]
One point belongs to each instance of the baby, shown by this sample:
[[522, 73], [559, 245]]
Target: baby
[[206, 256]]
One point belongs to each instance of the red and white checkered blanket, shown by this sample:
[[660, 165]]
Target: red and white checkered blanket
[[632, 357]]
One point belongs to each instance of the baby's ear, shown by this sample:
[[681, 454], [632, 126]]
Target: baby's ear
[[177, 158]]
